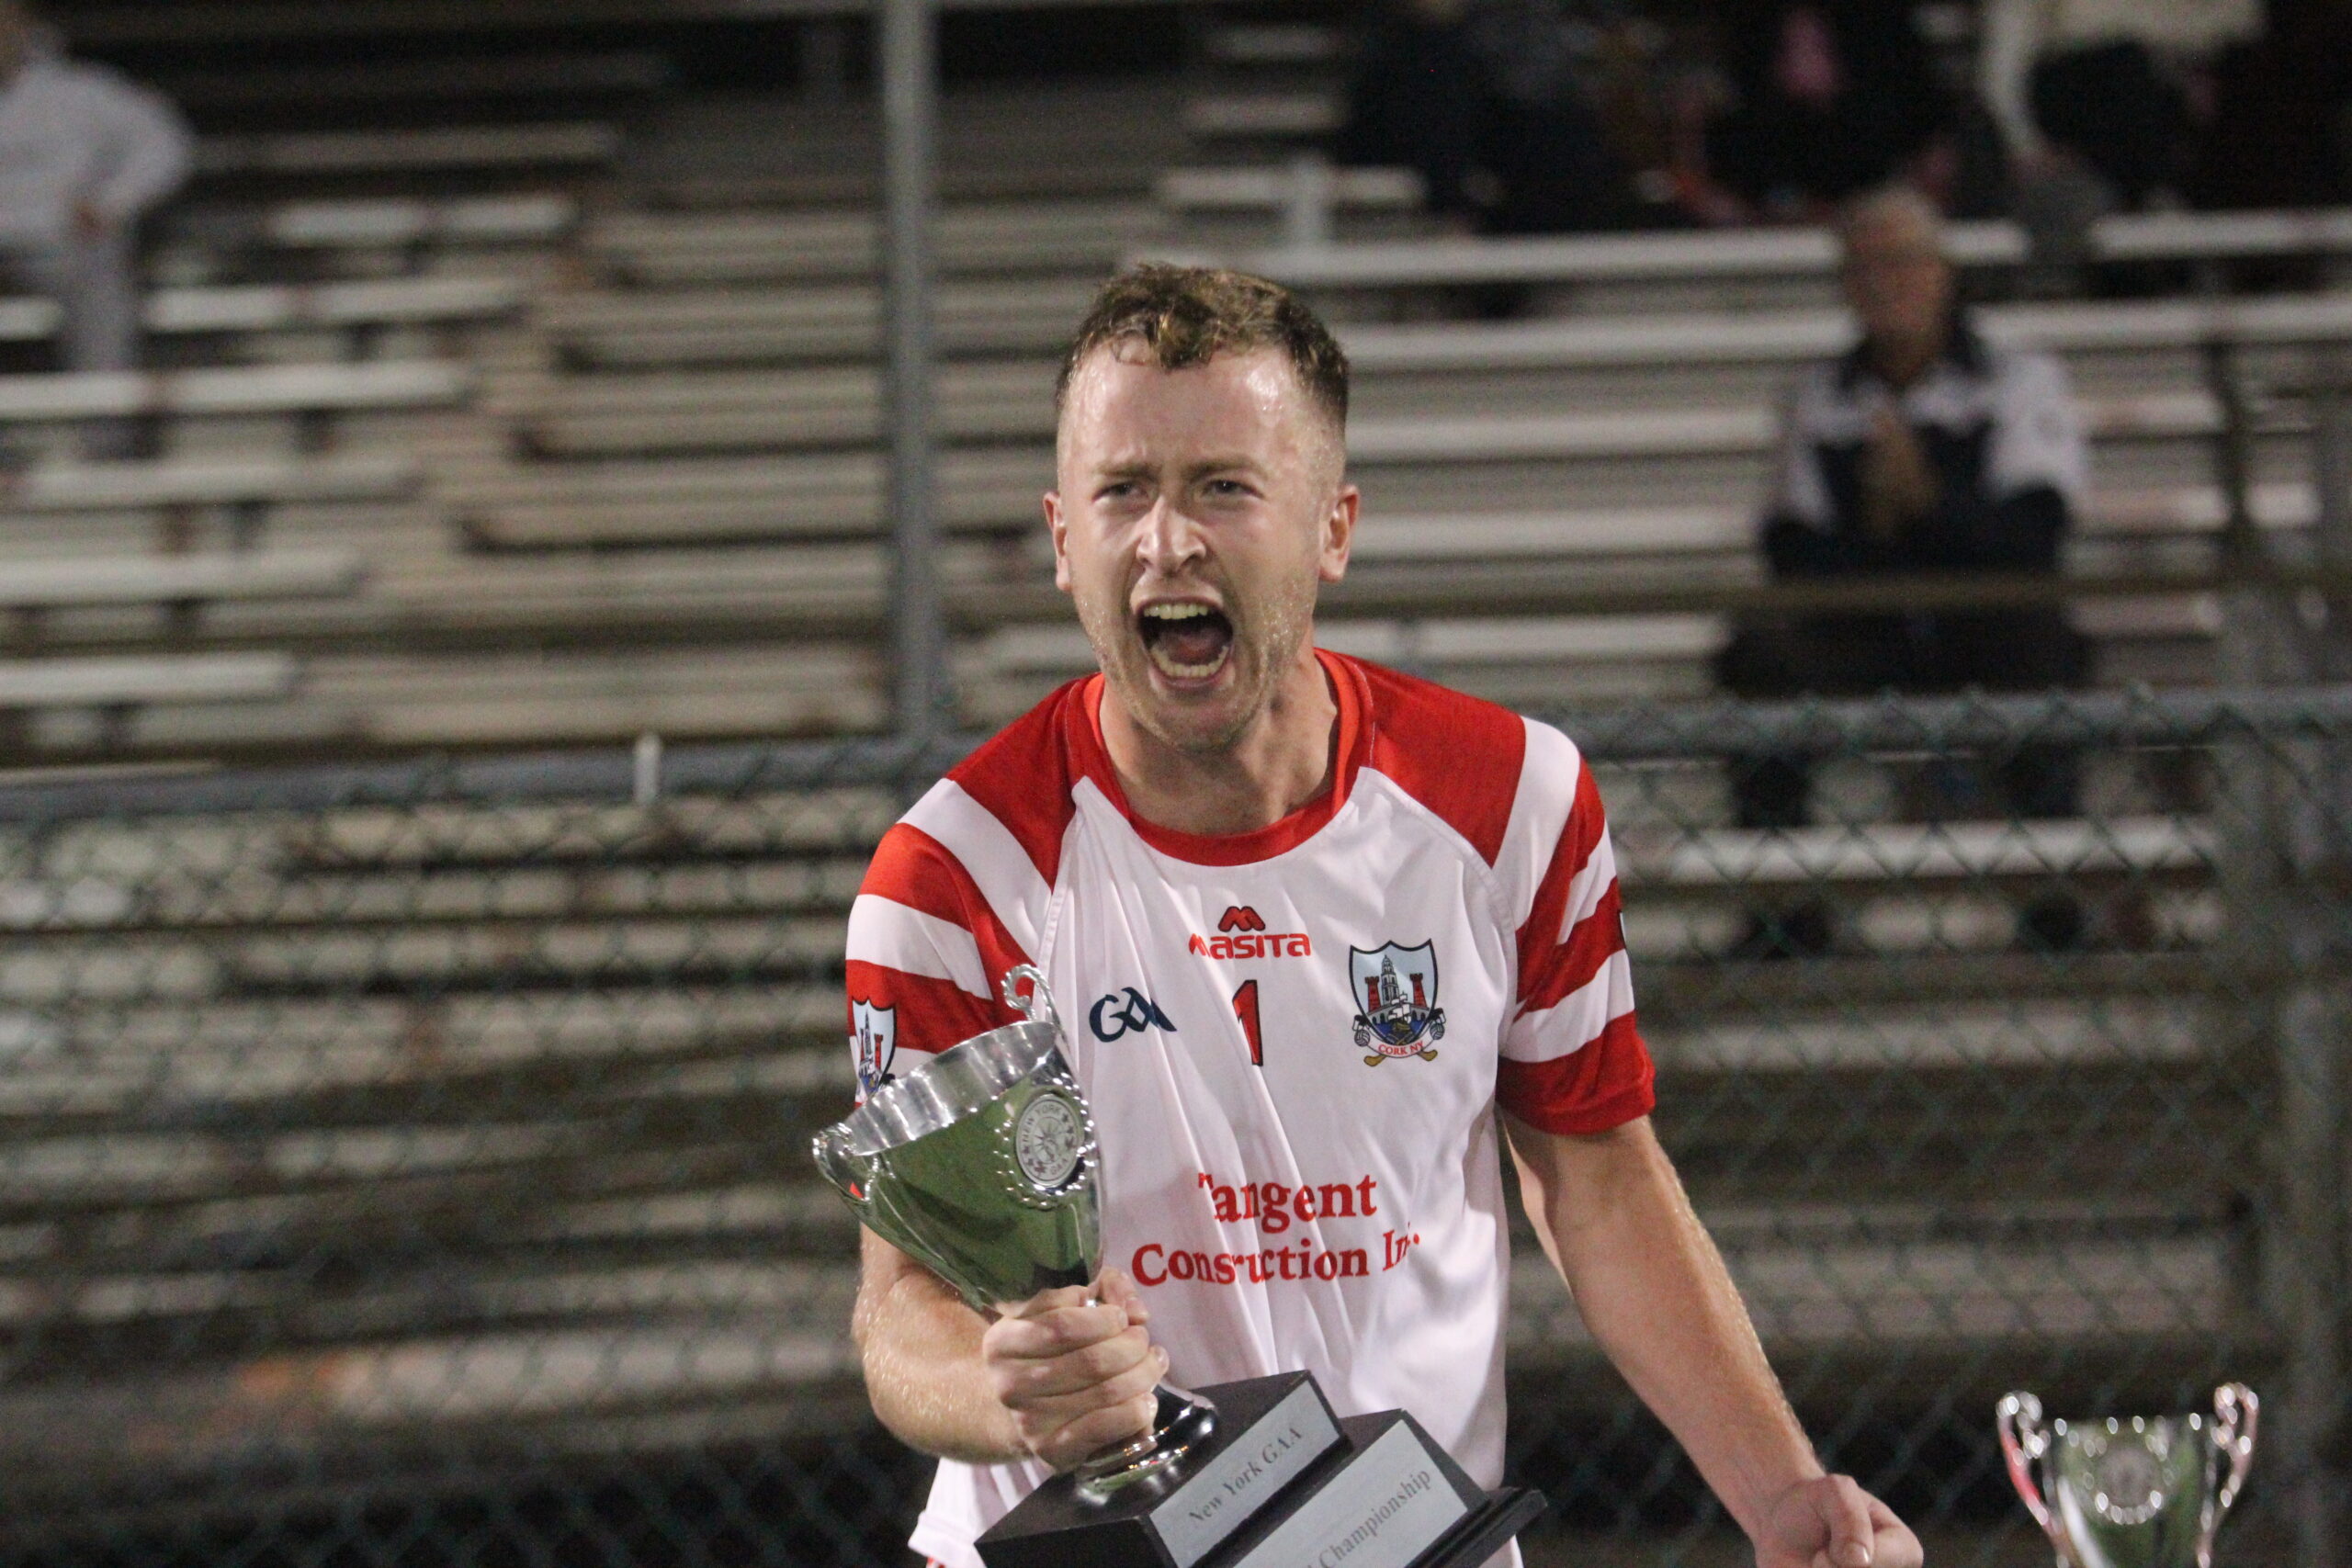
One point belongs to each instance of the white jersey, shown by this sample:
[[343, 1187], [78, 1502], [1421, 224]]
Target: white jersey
[[72, 132], [1294, 1040]]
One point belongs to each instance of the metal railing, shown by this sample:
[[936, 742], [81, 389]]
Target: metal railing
[[408, 1162]]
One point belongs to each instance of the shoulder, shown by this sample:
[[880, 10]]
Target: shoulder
[[2028, 375], [981, 850], [84, 79], [1005, 807], [1817, 394], [1460, 757]]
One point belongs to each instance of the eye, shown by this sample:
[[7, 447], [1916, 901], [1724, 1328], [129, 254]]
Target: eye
[[1230, 489]]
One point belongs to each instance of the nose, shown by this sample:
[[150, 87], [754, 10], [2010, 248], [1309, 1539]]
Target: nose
[[1171, 539]]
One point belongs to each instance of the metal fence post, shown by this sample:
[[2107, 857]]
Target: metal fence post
[[2287, 914], [909, 115]]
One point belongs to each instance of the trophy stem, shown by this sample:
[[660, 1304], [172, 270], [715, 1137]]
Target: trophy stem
[[1182, 1422]]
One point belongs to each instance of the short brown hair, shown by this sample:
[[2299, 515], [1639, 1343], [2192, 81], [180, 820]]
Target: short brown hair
[[1184, 316]]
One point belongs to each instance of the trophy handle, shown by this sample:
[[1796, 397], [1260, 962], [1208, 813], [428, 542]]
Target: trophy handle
[[2236, 1412], [2024, 1441], [851, 1174], [1037, 1007]]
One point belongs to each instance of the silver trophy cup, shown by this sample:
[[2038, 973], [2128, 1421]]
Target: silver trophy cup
[[981, 1165], [2147, 1492]]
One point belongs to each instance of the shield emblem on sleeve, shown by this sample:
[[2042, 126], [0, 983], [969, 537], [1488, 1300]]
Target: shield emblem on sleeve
[[874, 1037]]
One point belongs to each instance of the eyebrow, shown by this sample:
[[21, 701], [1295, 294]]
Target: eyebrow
[[1217, 465]]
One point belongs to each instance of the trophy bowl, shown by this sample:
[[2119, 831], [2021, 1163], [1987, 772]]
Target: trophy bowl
[[2137, 1492], [981, 1165]]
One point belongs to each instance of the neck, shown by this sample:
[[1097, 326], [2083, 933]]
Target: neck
[[1903, 360], [1281, 762]]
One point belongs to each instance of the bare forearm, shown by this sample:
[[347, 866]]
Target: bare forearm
[[920, 1347], [1656, 1295]]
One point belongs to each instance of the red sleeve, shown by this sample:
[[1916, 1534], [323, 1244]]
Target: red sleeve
[[1573, 1059], [926, 955]]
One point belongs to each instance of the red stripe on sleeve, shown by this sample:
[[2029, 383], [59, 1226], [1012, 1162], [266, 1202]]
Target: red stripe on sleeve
[[1606, 1084], [931, 1014], [910, 867], [1538, 938], [1457, 755], [1568, 967], [1022, 776]]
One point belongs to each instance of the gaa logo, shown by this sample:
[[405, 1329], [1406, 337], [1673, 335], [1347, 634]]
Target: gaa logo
[[1114, 1017]]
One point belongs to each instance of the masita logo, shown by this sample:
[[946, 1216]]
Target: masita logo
[[1242, 933]]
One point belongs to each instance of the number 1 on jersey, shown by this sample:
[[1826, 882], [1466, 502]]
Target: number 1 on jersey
[[1245, 1007]]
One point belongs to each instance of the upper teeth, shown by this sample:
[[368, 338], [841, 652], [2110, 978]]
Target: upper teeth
[[1176, 612]]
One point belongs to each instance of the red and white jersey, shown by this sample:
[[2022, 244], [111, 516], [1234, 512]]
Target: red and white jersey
[[1292, 1040]]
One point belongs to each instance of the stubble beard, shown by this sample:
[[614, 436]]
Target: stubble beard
[[1267, 638]]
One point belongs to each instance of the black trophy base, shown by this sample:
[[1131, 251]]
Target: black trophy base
[[1281, 1484]]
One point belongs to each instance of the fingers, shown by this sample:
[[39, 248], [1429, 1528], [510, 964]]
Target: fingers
[[1018, 1377], [1845, 1508], [1896, 1547], [1115, 1288], [1070, 1321], [1077, 1375], [1066, 1429]]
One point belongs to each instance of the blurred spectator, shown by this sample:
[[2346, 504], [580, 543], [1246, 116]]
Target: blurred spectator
[[1483, 97], [2282, 114], [1925, 449], [2101, 81], [2095, 101], [1827, 98], [2114, 108], [84, 154]]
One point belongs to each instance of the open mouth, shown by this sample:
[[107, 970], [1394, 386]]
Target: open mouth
[[1186, 642]]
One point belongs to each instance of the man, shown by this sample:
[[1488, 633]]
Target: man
[[1370, 833], [1483, 98], [1828, 98], [84, 154], [1927, 449]]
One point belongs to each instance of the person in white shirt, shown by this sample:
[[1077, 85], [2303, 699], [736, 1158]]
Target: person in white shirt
[[83, 155], [1325, 936]]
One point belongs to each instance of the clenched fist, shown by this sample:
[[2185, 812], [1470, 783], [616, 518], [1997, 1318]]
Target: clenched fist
[[1077, 1375]]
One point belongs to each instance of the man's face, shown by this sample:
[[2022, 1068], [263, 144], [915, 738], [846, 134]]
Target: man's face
[[1197, 512], [1898, 281]]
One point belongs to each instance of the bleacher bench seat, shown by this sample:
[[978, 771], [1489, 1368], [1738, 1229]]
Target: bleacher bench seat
[[215, 481], [150, 580], [452, 220], [119, 681], [278, 307], [1764, 253], [428, 149], [274, 389]]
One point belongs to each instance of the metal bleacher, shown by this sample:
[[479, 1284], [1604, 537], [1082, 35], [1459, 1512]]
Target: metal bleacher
[[459, 1124]]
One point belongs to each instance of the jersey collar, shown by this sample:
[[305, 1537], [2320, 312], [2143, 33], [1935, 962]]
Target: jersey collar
[[1351, 744]]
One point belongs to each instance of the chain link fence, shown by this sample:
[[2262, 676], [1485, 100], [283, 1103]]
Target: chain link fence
[[408, 1165]]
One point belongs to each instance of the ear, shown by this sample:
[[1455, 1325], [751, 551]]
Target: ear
[[1338, 533], [1057, 529]]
